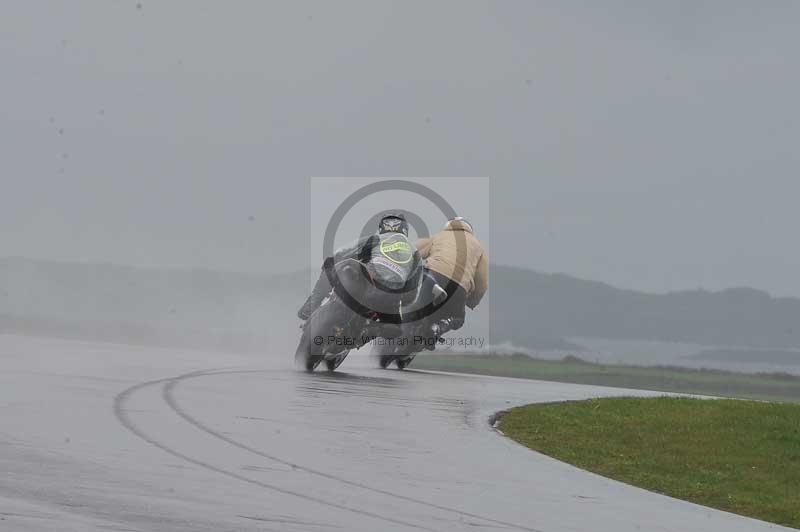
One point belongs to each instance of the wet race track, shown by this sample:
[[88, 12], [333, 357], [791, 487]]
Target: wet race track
[[112, 437]]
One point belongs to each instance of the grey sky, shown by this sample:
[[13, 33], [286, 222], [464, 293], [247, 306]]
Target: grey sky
[[652, 145]]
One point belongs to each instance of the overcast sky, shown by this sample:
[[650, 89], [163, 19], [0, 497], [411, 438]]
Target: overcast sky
[[651, 145]]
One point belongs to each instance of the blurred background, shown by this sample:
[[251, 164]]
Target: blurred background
[[157, 162]]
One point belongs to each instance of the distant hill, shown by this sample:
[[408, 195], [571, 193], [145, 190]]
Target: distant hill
[[531, 304], [527, 309], [752, 356]]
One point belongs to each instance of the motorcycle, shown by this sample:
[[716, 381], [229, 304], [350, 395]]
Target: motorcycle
[[342, 324]]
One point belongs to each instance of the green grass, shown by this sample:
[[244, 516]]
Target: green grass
[[738, 456], [775, 387]]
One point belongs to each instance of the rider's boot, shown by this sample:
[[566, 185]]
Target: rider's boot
[[321, 290], [442, 326], [437, 330]]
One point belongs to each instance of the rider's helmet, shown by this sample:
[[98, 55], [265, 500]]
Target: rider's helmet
[[457, 223], [393, 223]]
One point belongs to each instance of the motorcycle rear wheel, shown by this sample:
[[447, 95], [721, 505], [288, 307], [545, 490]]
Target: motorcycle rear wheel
[[402, 363], [385, 360]]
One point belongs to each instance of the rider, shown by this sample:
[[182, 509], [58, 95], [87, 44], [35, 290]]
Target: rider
[[391, 261], [458, 263]]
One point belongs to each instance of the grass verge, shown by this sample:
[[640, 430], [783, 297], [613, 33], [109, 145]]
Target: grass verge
[[738, 456], [762, 386]]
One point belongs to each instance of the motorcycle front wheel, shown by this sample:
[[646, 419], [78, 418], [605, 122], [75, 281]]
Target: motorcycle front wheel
[[334, 363], [308, 355], [331, 318]]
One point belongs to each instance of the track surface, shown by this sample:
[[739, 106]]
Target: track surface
[[114, 437]]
